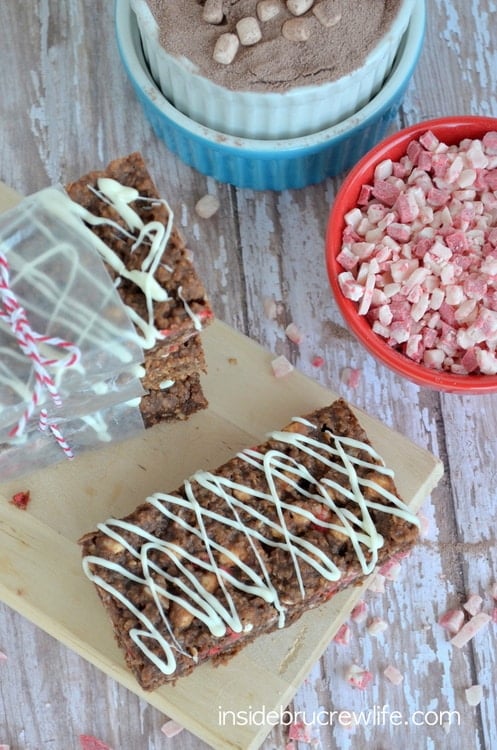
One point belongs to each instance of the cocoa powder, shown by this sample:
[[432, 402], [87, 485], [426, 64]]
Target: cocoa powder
[[274, 63]]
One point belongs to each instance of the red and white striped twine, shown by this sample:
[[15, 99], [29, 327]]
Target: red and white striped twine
[[12, 312]]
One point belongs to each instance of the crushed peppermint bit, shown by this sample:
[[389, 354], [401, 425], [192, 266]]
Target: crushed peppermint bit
[[359, 677], [391, 569], [88, 742], [317, 361], [393, 674], [293, 333], [171, 728], [21, 499], [281, 366], [474, 604], [342, 636], [393, 572], [470, 629], [493, 614], [493, 592], [376, 626], [377, 585], [419, 254], [350, 376], [270, 308], [474, 695], [360, 611], [207, 206], [300, 732], [452, 620], [3, 657]]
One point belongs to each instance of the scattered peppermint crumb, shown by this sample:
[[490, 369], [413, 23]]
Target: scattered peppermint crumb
[[88, 742], [469, 630], [270, 310], [300, 732], [317, 361], [452, 620], [291, 745], [474, 694], [360, 611], [4, 747], [376, 626], [358, 677], [281, 366], [350, 376], [342, 636], [393, 674], [391, 570], [293, 333], [377, 585], [473, 605], [493, 614], [207, 206], [21, 499], [171, 728], [3, 657], [494, 591]]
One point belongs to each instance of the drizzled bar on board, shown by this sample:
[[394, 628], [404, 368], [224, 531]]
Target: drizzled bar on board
[[154, 274], [198, 573]]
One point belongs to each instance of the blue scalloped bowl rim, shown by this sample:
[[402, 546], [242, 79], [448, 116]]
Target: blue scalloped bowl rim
[[269, 165]]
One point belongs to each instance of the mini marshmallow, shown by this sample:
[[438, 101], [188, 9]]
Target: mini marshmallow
[[393, 674], [207, 206], [296, 30], [226, 48], [249, 31], [213, 11], [474, 695], [268, 9], [281, 366], [327, 14], [299, 7], [171, 728]]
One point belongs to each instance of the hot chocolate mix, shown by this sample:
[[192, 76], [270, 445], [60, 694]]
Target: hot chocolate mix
[[335, 38]]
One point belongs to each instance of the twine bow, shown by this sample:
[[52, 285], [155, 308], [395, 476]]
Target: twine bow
[[14, 315]]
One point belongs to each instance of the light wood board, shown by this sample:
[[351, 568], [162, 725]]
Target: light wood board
[[40, 567]]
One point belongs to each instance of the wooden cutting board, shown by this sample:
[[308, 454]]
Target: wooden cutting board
[[40, 566]]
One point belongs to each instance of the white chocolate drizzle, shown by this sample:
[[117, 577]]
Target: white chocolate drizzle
[[153, 232], [218, 612]]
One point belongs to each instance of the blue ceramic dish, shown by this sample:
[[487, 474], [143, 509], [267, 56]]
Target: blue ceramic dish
[[269, 164]]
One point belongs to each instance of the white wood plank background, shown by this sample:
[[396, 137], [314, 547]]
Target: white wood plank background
[[66, 106]]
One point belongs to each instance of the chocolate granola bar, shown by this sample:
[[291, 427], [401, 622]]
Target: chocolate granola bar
[[198, 573], [155, 277]]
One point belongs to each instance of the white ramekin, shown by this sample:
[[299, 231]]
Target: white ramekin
[[268, 115], [275, 164]]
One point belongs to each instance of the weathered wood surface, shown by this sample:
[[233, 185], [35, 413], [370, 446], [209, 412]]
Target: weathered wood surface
[[66, 106]]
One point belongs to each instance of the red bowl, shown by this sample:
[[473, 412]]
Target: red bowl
[[450, 130]]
